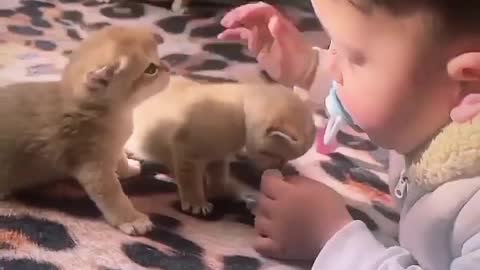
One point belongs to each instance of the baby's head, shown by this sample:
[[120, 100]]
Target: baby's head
[[402, 65]]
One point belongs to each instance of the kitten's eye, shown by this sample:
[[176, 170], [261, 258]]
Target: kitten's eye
[[151, 70]]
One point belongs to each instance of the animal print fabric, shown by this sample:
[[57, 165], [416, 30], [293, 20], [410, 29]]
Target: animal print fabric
[[58, 227]]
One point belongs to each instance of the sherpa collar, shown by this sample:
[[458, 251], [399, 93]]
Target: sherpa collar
[[453, 154]]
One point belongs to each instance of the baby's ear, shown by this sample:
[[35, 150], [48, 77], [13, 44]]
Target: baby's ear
[[465, 67], [101, 77], [281, 135]]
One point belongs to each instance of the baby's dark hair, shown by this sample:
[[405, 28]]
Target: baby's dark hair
[[452, 17]]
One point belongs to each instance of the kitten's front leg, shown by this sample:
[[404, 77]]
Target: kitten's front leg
[[189, 178], [218, 180], [102, 185]]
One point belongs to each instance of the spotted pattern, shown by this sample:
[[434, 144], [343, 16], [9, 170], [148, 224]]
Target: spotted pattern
[[58, 227]]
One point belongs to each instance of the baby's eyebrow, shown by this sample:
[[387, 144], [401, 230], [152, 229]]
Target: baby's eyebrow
[[343, 46], [365, 6], [352, 50]]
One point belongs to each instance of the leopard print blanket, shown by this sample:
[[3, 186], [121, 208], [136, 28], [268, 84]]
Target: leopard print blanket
[[58, 227]]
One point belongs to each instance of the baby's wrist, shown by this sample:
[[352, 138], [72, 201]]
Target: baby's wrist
[[334, 228], [308, 75]]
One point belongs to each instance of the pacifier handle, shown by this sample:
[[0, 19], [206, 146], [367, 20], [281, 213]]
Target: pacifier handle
[[333, 126]]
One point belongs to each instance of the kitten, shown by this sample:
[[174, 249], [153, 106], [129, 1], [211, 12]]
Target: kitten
[[195, 128], [77, 127]]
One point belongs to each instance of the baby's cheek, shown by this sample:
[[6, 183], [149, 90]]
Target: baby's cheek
[[365, 114]]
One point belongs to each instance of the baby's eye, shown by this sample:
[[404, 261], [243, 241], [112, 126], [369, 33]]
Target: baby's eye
[[151, 70], [356, 59]]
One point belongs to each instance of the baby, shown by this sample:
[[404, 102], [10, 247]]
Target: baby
[[408, 74]]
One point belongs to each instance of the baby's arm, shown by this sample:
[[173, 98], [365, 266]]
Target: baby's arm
[[355, 247]]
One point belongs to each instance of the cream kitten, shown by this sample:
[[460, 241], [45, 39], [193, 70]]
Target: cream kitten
[[195, 128]]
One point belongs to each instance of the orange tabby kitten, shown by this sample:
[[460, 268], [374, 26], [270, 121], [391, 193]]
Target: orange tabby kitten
[[77, 127]]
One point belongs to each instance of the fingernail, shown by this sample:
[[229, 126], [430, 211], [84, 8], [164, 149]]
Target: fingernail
[[250, 202], [224, 22], [272, 173]]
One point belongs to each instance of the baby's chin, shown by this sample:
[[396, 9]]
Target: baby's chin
[[381, 139], [389, 142]]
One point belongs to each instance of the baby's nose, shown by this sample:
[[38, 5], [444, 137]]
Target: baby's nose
[[334, 70], [337, 76], [332, 65]]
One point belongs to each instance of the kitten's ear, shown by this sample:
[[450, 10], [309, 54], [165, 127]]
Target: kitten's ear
[[100, 78], [158, 38], [275, 133]]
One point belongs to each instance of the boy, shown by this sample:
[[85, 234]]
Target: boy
[[409, 76]]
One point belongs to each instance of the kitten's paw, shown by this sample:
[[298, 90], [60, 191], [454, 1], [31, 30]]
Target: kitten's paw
[[141, 225], [134, 168], [199, 209], [178, 6]]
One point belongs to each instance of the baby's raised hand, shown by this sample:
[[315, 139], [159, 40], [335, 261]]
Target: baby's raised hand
[[279, 47]]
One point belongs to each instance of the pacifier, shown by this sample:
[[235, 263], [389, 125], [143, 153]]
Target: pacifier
[[338, 115]]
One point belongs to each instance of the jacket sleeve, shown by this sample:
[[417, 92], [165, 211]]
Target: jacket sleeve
[[470, 258], [321, 81], [466, 234], [355, 247]]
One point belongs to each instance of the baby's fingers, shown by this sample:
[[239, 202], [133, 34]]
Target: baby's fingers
[[468, 109], [464, 113], [282, 29], [233, 34], [267, 246], [244, 34], [240, 33], [249, 14]]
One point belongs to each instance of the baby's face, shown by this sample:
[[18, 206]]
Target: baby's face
[[393, 77]]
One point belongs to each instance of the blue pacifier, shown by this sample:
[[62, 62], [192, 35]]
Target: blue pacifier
[[338, 115]]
